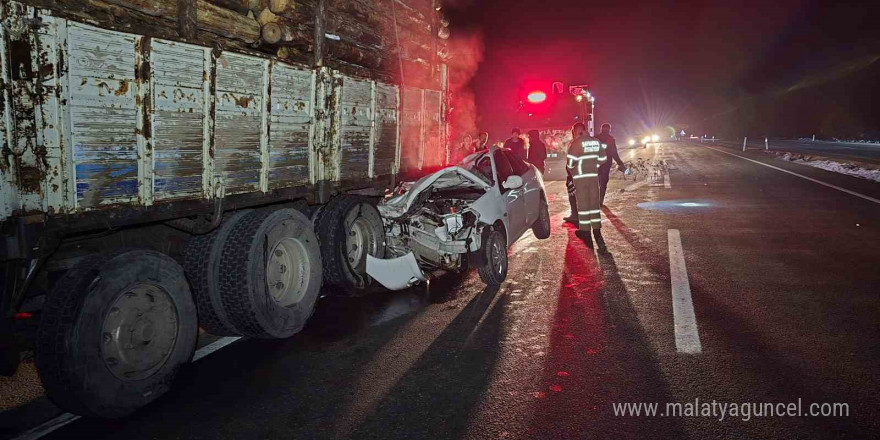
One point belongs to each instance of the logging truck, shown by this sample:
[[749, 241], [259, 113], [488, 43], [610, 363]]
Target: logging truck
[[171, 167]]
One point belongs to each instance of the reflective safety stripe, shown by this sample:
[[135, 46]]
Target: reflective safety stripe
[[588, 156], [596, 220], [594, 211], [585, 222], [584, 176]]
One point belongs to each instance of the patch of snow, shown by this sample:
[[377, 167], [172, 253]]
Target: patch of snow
[[834, 166]]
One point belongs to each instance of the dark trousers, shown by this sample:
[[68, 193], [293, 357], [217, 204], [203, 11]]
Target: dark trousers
[[603, 183], [572, 198]]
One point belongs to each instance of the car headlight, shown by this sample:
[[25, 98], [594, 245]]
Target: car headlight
[[646, 139], [655, 138], [632, 142]]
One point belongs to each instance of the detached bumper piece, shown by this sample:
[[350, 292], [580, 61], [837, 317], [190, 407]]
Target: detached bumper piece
[[395, 273]]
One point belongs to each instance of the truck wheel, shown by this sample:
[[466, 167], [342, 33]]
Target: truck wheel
[[349, 228], [541, 228], [270, 273], [202, 265], [114, 332], [494, 272]]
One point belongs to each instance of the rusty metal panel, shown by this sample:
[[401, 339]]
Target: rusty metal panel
[[356, 124], [290, 126], [52, 136], [410, 129], [385, 142], [9, 201], [433, 151], [103, 115], [238, 125], [179, 119]]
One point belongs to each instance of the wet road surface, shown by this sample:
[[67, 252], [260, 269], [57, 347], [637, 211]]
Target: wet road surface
[[783, 278]]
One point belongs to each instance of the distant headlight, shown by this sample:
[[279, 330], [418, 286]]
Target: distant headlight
[[646, 139], [632, 142], [655, 138]]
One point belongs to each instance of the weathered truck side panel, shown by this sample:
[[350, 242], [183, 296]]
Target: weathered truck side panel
[[101, 119]]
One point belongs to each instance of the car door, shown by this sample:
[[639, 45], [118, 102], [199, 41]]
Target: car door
[[531, 188], [513, 199]]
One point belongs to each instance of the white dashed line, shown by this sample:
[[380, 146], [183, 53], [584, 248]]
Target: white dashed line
[[868, 198], [687, 337], [666, 183], [67, 418]]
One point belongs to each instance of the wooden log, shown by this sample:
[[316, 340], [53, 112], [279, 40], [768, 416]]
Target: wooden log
[[187, 20], [351, 53], [209, 18], [281, 6], [240, 6], [227, 23], [348, 28], [266, 16]]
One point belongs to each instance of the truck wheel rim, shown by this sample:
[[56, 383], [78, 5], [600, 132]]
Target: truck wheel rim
[[139, 332], [360, 241], [287, 273]]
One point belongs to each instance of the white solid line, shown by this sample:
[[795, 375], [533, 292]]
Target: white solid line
[[869, 198], [67, 418], [214, 346], [687, 337], [666, 183], [48, 427]]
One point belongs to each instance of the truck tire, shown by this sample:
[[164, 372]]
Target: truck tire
[[494, 272], [114, 332], [270, 273], [202, 264], [541, 228], [349, 228]]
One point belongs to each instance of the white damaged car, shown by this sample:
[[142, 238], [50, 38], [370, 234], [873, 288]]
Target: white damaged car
[[460, 217]]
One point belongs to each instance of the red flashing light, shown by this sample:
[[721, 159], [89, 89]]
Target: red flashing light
[[537, 97]]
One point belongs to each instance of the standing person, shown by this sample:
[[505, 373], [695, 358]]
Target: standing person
[[516, 145], [605, 167], [482, 143], [537, 150], [585, 153]]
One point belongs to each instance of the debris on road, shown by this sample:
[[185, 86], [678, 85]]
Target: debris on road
[[857, 169]]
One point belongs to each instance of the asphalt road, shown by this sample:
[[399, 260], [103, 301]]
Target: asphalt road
[[782, 272], [840, 150]]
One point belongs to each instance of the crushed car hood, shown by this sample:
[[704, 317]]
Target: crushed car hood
[[446, 178]]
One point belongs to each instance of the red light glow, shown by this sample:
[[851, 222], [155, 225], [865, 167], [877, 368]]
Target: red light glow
[[537, 97]]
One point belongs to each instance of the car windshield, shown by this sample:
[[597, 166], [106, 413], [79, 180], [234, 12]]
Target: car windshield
[[480, 164]]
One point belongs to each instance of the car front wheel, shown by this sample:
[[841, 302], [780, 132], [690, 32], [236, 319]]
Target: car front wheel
[[494, 272]]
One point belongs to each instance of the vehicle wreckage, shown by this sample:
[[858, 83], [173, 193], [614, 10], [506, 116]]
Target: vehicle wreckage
[[460, 217]]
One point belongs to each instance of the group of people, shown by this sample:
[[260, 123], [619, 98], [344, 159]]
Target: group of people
[[588, 171]]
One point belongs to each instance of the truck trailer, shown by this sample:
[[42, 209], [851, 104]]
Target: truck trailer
[[176, 165]]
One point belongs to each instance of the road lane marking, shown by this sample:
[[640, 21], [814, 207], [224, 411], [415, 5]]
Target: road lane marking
[[666, 183], [48, 427], [868, 198], [68, 418], [214, 346], [687, 336]]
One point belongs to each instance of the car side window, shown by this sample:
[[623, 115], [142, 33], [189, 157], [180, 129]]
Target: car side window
[[484, 166], [505, 170], [518, 165]]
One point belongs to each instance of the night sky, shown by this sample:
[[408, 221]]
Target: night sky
[[775, 68]]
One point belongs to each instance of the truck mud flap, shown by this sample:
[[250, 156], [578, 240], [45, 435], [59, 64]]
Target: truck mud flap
[[395, 273]]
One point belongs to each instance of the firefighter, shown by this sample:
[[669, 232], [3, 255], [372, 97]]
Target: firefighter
[[610, 146], [585, 154]]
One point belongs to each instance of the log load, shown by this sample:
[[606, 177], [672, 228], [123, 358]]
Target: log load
[[209, 17], [376, 38]]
